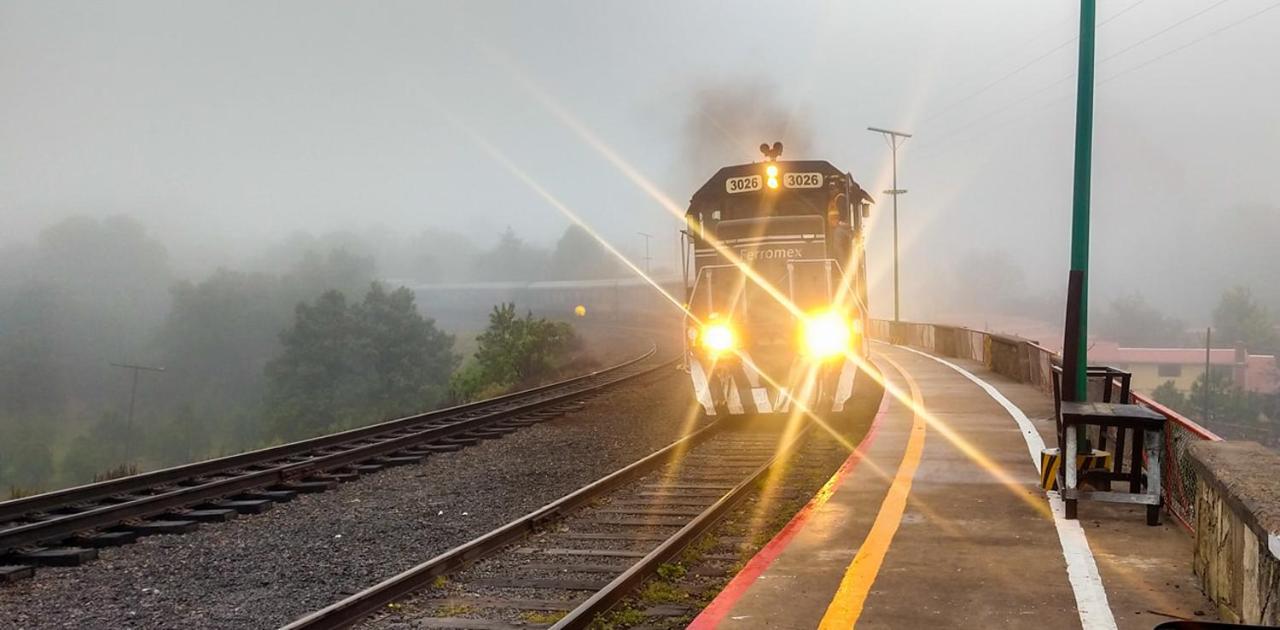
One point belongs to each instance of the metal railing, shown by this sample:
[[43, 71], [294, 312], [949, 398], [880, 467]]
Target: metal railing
[[1028, 362], [1178, 476]]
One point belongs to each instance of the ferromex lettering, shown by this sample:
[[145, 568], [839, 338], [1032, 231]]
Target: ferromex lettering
[[770, 253]]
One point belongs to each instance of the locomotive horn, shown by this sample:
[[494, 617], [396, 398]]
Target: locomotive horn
[[771, 152]]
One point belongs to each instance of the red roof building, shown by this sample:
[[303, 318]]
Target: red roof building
[[1153, 366]]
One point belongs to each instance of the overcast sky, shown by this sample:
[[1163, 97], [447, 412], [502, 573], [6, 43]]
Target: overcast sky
[[223, 125]]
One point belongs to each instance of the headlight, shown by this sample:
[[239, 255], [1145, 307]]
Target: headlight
[[718, 338], [826, 335]]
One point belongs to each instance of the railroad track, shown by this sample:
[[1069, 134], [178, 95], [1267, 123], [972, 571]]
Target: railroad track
[[65, 528], [573, 559]]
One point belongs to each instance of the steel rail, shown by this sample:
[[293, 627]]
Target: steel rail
[[356, 445], [351, 610], [636, 574], [37, 503], [348, 611]]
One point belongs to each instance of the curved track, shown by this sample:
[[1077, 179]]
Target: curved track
[[62, 527], [643, 515]]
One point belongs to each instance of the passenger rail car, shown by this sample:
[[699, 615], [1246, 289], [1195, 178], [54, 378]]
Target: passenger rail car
[[775, 281]]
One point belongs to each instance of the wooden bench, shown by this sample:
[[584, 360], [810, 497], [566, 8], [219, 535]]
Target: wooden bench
[[1148, 438]]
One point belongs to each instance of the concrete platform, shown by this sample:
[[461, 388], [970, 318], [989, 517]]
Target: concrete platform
[[937, 520]]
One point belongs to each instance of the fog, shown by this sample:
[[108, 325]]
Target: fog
[[152, 148], [226, 127]]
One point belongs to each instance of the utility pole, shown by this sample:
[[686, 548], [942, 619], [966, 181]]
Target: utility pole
[[646, 251], [1074, 351], [133, 395], [1207, 334], [895, 139]]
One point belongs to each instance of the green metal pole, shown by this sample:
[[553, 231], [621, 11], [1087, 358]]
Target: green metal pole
[[1074, 359]]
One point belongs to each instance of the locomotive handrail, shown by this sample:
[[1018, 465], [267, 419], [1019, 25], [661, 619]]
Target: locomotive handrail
[[698, 278]]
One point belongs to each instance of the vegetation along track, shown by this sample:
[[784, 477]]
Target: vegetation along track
[[65, 527], [571, 560]]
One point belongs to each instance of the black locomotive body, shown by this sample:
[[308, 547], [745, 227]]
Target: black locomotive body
[[776, 287]]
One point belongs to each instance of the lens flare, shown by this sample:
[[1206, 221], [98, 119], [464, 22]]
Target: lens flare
[[826, 335], [844, 291], [718, 338]]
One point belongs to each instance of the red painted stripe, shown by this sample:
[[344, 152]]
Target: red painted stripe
[[715, 612]]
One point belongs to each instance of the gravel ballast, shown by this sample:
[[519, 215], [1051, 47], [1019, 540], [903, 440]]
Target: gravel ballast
[[266, 570]]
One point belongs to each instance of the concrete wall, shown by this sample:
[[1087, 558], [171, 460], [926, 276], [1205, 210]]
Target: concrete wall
[[1016, 358], [1237, 515]]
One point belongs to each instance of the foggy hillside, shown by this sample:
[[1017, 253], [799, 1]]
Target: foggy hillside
[[176, 180]]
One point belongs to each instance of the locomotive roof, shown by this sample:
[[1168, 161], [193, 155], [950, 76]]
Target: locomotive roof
[[714, 188]]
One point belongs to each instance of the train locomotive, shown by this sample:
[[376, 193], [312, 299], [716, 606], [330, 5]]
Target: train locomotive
[[775, 282]]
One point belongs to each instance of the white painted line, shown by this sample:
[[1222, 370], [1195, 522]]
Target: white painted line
[[1035, 443], [1082, 570]]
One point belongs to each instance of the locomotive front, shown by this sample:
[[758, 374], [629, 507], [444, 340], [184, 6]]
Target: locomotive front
[[776, 291]]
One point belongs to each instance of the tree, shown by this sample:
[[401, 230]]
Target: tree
[[511, 259], [434, 255], [338, 270], [411, 358], [90, 291], [1131, 321], [180, 436], [515, 351], [220, 333], [579, 256], [112, 261], [314, 383], [100, 450], [34, 325], [1227, 402], [1239, 318], [25, 459], [1170, 396], [344, 365]]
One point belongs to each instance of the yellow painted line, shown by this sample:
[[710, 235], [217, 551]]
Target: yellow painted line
[[846, 606]]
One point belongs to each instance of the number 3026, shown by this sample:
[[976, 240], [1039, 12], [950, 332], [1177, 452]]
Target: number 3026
[[742, 184], [802, 180]]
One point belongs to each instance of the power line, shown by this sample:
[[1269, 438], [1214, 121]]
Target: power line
[[1148, 62], [1192, 42], [991, 61], [992, 84], [1165, 30], [1028, 64], [944, 138]]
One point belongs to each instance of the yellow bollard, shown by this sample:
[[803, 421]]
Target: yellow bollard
[[1051, 459]]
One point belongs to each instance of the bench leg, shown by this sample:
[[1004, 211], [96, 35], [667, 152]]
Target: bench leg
[[1069, 471], [1154, 443], [1117, 460], [1135, 460]]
